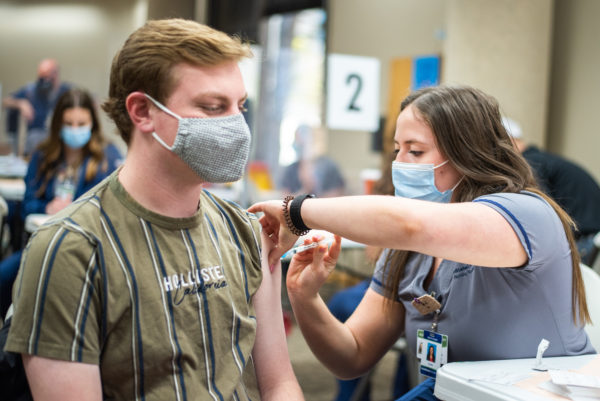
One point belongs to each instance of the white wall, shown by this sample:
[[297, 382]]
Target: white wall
[[574, 118], [503, 47]]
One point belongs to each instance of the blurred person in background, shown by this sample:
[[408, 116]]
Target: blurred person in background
[[569, 184], [72, 159], [313, 172], [35, 101]]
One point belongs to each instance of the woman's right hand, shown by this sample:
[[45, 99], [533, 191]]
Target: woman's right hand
[[308, 270], [274, 225]]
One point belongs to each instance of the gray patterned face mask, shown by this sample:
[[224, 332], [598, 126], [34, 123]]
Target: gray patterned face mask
[[216, 148]]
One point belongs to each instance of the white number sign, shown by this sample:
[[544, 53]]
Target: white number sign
[[353, 92]]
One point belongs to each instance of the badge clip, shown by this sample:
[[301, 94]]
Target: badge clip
[[426, 304]]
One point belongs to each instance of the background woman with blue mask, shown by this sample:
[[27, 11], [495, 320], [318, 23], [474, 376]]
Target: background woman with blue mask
[[493, 271], [74, 151], [72, 159]]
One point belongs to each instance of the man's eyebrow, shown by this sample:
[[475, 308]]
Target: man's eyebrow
[[218, 96]]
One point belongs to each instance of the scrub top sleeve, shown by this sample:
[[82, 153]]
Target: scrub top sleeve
[[534, 221], [380, 274]]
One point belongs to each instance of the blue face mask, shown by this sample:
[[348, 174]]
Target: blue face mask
[[76, 137], [417, 181]]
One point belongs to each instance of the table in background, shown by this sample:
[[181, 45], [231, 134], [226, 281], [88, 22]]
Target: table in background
[[12, 171], [12, 166], [476, 381], [12, 189], [34, 220]]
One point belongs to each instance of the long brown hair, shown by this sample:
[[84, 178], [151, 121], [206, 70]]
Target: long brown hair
[[468, 131], [52, 148]]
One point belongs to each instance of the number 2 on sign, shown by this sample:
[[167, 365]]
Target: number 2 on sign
[[354, 77]]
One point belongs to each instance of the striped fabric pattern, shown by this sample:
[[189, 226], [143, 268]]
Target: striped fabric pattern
[[162, 305]]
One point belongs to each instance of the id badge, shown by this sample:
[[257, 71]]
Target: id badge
[[432, 351]]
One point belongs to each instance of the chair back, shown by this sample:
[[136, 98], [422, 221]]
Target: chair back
[[591, 281]]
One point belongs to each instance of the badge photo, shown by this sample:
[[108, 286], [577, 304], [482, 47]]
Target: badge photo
[[432, 351]]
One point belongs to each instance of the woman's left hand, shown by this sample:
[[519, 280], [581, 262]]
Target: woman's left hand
[[308, 270], [57, 204]]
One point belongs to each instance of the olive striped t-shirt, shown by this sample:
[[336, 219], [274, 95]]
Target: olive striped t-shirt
[[162, 305]]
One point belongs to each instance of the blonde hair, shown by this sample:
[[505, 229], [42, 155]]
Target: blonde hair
[[145, 61]]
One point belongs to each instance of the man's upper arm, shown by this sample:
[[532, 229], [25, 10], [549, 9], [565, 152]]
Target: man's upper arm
[[52, 379], [274, 371], [57, 300]]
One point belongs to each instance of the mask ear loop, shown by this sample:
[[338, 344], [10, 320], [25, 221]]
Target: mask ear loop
[[162, 107], [456, 185], [461, 178], [169, 112], [159, 140], [441, 164], [459, 181]]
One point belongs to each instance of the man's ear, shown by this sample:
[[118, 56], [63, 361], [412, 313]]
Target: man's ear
[[139, 109]]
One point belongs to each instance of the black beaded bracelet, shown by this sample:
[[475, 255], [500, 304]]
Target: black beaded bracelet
[[295, 215], [286, 215]]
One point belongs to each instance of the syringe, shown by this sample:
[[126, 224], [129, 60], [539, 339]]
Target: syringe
[[302, 248]]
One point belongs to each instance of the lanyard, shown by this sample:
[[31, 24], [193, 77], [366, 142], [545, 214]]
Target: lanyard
[[434, 324]]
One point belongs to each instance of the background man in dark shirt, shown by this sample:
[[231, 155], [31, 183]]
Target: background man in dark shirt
[[567, 183], [35, 101]]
